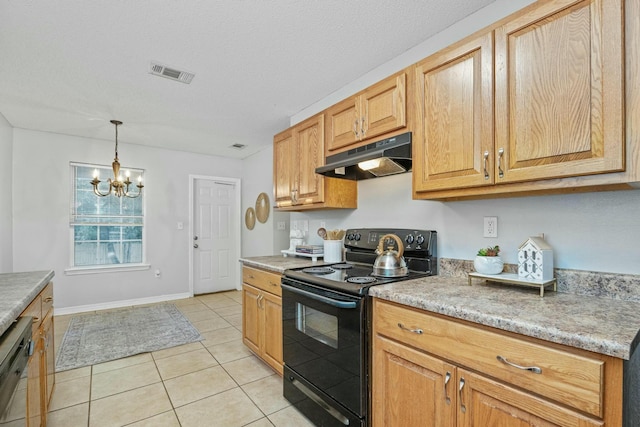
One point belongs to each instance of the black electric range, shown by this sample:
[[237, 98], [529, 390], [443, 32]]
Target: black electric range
[[355, 276], [326, 324]]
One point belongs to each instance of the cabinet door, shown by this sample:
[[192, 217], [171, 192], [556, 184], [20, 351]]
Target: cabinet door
[[34, 393], [383, 107], [483, 402], [343, 124], [48, 374], [309, 141], [284, 167], [271, 307], [454, 144], [411, 388], [251, 318], [559, 91]]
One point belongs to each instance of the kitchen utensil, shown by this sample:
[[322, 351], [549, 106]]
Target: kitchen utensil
[[390, 263], [322, 233]]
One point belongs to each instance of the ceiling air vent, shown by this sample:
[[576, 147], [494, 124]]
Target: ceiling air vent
[[171, 73], [238, 146]]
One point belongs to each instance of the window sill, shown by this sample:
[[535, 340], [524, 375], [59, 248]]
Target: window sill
[[73, 271]]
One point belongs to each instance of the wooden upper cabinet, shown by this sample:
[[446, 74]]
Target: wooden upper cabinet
[[309, 145], [297, 152], [453, 144], [559, 91], [380, 109], [283, 170]]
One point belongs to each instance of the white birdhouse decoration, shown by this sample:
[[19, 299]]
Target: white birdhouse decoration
[[535, 259]]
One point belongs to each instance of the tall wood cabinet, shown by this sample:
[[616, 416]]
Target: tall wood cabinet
[[436, 371], [262, 315], [41, 365], [377, 110], [556, 84], [297, 152]]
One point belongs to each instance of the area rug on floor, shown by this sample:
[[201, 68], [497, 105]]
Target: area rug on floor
[[101, 337]]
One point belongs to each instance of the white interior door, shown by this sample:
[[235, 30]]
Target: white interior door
[[215, 238]]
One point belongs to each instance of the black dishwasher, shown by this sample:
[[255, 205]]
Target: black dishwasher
[[15, 349]]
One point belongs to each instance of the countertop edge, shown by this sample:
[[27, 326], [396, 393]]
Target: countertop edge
[[615, 346], [38, 280]]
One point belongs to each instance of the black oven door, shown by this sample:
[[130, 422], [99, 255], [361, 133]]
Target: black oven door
[[323, 349]]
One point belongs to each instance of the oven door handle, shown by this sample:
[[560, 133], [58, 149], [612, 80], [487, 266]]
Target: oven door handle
[[332, 302]]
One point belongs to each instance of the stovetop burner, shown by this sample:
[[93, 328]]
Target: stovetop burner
[[363, 280], [318, 270], [342, 266]]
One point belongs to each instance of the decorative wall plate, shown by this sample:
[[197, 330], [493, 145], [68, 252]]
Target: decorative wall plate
[[262, 207], [250, 218]]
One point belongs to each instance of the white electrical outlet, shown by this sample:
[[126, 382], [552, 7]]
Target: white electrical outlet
[[282, 225], [490, 226]]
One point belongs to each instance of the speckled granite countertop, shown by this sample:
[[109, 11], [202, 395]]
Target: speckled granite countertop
[[602, 325], [279, 264], [17, 290]]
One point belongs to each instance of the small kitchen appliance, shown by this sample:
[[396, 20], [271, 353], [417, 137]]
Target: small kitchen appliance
[[326, 322]]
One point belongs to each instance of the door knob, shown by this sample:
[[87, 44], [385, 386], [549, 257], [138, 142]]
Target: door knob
[[195, 245]]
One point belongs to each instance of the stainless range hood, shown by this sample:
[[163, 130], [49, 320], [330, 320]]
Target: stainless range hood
[[387, 157]]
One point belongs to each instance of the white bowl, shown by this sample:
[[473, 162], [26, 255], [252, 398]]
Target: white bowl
[[488, 264]]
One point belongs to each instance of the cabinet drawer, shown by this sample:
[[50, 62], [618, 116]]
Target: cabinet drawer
[[34, 310], [568, 376], [265, 280], [47, 299]]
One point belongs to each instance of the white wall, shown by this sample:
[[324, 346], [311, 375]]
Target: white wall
[[592, 231], [41, 198], [6, 239], [264, 239]]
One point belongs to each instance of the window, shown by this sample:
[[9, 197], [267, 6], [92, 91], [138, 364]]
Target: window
[[106, 231]]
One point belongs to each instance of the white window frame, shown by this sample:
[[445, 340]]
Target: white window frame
[[105, 268]]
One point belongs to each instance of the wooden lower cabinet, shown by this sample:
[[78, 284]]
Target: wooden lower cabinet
[[411, 388], [425, 375], [262, 316], [34, 392], [41, 365]]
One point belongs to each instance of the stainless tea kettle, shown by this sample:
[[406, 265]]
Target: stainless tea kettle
[[390, 263]]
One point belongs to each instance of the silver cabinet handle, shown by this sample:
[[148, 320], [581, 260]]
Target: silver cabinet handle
[[447, 378], [500, 154], [195, 237], [355, 127], [463, 408], [533, 369], [363, 128], [195, 245], [486, 161], [415, 331]]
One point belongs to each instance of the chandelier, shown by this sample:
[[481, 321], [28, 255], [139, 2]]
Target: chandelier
[[117, 186]]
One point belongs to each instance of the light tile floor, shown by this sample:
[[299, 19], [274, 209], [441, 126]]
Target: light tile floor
[[214, 382]]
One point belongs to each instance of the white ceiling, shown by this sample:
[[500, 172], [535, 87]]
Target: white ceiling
[[70, 66]]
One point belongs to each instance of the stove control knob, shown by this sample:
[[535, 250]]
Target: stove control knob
[[420, 239], [409, 239], [357, 237]]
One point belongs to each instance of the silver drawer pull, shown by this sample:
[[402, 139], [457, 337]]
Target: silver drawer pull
[[533, 369], [415, 331]]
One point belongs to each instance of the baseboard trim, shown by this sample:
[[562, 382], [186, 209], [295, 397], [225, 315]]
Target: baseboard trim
[[118, 304]]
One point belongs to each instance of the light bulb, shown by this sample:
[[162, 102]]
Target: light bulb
[[95, 173], [127, 173]]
